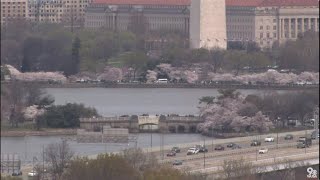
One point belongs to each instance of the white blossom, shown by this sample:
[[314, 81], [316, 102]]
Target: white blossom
[[32, 112], [151, 76], [36, 76], [111, 74]]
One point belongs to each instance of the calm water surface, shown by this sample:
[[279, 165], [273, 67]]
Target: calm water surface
[[135, 101]]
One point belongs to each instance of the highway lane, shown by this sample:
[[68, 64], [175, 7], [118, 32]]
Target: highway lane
[[243, 141], [275, 154], [245, 146]]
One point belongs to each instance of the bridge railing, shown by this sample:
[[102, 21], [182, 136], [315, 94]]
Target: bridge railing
[[101, 119], [182, 118]]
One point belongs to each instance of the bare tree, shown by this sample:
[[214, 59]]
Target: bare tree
[[140, 160], [238, 168], [16, 95], [58, 155], [135, 157]]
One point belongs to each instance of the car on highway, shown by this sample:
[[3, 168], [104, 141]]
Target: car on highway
[[17, 173], [32, 174], [255, 143], [269, 139], [176, 149], [192, 151], [170, 154], [263, 151], [236, 147], [230, 145], [177, 162], [203, 149], [288, 137], [315, 135], [219, 148]]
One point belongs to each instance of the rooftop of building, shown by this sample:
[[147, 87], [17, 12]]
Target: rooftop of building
[[144, 2], [245, 3]]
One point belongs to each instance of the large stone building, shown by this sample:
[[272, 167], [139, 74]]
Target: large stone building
[[149, 15], [269, 21], [208, 24], [13, 9], [260, 21], [58, 11]]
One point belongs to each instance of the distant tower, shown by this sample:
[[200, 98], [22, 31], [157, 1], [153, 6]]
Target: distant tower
[[208, 24]]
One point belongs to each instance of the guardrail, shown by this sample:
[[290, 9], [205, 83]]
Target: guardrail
[[266, 162]]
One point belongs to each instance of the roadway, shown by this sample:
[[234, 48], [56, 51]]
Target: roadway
[[244, 143], [213, 160]]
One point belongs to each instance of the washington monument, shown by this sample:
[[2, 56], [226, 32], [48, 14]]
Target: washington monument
[[208, 24]]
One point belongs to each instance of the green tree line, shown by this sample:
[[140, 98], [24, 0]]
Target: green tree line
[[51, 47]]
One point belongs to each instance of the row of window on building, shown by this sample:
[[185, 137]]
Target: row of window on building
[[53, 11], [13, 2], [239, 27], [13, 7], [13, 15], [268, 27], [240, 20], [238, 35], [54, 2]]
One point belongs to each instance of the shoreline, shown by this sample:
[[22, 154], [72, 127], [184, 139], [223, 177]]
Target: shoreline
[[191, 86], [56, 132], [73, 132]]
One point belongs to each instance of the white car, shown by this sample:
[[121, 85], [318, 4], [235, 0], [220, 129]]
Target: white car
[[269, 139], [192, 151], [263, 151], [32, 174]]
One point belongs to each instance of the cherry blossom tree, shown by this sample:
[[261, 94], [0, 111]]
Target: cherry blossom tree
[[151, 76], [190, 76], [234, 114], [111, 74], [32, 112], [36, 76]]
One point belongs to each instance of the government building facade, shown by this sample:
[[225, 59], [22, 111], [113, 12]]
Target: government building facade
[[262, 21]]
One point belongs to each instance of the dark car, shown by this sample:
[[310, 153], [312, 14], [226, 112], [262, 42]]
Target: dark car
[[255, 143], [177, 162], [219, 148], [203, 149], [288, 137], [172, 153], [18, 173], [230, 145], [236, 146], [176, 149], [314, 135]]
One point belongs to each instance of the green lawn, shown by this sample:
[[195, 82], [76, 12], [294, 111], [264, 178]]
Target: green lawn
[[21, 127], [116, 64]]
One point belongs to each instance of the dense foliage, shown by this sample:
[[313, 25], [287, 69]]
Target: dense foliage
[[233, 112], [121, 167], [51, 47], [18, 97], [65, 116]]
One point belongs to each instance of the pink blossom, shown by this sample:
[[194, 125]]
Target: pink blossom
[[151, 76], [111, 74]]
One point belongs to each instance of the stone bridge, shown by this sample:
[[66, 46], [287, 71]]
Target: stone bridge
[[174, 124]]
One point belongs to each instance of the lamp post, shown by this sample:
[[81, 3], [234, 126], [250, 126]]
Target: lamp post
[[212, 136], [204, 153], [305, 143]]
